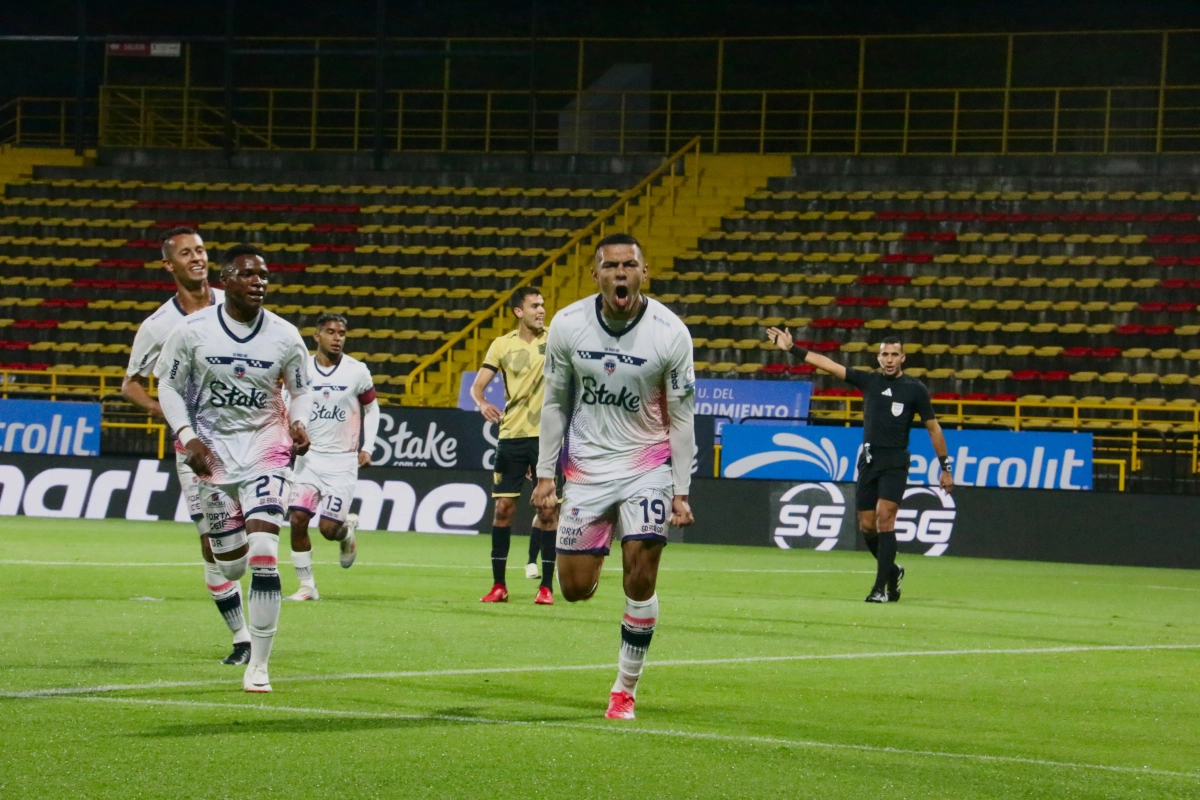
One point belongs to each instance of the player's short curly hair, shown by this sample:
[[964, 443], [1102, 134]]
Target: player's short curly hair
[[171, 233], [326, 318], [236, 252]]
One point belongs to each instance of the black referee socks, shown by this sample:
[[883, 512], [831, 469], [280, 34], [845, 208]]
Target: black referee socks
[[886, 558]]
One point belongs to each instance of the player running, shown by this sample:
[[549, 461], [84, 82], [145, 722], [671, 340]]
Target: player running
[[890, 399], [628, 360], [343, 406], [186, 259], [520, 357], [219, 384]]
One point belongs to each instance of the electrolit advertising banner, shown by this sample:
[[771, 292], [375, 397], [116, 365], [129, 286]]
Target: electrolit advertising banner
[[1001, 459], [731, 400], [49, 428]]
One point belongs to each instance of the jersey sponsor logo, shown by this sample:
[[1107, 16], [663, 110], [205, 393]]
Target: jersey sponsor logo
[[597, 394], [821, 454], [887, 392], [324, 412], [174, 368], [897, 409], [820, 518], [224, 396]]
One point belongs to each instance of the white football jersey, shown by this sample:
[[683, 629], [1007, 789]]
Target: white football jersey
[[155, 329], [621, 380], [339, 394], [153, 333], [229, 375]]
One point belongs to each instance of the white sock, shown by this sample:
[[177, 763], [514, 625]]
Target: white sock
[[266, 595], [227, 595], [637, 626], [302, 561]]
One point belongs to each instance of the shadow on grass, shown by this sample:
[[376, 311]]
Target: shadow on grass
[[338, 723]]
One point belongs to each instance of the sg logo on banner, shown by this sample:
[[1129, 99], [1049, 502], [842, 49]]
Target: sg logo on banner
[[817, 515]]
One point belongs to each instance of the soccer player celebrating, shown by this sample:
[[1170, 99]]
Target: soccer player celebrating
[[628, 360], [186, 259], [520, 357], [219, 384], [890, 399], [343, 404]]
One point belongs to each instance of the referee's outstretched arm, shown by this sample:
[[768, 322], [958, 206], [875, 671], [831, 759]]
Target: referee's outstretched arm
[[784, 341]]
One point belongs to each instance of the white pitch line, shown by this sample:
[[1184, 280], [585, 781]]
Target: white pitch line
[[1177, 588], [405, 565], [663, 733], [435, 673]]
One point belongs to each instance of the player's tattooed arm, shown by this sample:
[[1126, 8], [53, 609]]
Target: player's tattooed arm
[[133, 389]]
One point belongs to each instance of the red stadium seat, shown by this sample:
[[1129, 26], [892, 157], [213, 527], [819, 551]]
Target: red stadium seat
[[823, 323], [826, 347], [1152, 307], [1056, 375], [1026, 375], [1167, 261], [1159, 330], [1106, 352], [1005, 398], [874, 302], [774, 369], [1173, 283], [1181, 307], [897, 280], [847, 301], [977, 396], [1077, 352], [1129, 330], [946, 396], [873, 280], [850, 324], [802, 369]]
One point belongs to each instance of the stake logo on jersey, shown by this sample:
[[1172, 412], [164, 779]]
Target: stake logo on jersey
[[339, 394], [153, 332], [621, 380], [234, 400]]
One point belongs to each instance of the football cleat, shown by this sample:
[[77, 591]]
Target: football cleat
[[304, 593], [498, 594], [256, 680], [893, 587], [347, 546], [545, 597], [239, 656], [877, 596], [531, 571], [620, 706]]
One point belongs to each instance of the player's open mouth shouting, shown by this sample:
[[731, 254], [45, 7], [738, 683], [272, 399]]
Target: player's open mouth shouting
[[621, 296]]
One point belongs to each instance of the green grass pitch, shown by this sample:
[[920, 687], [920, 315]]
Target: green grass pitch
[[768, 677]]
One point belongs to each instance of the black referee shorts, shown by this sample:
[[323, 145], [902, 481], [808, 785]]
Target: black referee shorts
[[885, 477]]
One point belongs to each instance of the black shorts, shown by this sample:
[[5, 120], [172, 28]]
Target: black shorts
[[516, 461], [884, 477]]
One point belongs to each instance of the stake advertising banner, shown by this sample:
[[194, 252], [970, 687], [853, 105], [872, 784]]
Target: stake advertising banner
[[53, 428], [1001, 459], [443, 438]]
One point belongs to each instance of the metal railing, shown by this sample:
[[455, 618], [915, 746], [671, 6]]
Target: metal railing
[[1131, 431], [45, 122], [1065, 119], [571, 254]]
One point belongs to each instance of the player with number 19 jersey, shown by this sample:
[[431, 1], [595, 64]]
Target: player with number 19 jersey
[[619, 423]]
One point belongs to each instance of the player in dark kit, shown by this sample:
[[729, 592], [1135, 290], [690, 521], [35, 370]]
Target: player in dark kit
[[890, 399]]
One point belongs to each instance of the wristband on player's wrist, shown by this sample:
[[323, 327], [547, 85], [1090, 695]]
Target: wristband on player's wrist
[[945, 463], [185, 435], [802, 352]]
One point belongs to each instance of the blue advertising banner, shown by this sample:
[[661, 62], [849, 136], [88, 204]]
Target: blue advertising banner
[[979, 458], [39, 426], [493, 392], [736, 400]]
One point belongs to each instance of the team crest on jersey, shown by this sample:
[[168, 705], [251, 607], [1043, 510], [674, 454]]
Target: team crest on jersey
[[541, 349], [610, 366], [325, 393], [239, 370]]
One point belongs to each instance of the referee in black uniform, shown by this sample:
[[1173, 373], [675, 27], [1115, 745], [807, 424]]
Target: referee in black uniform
[[890, 399]]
